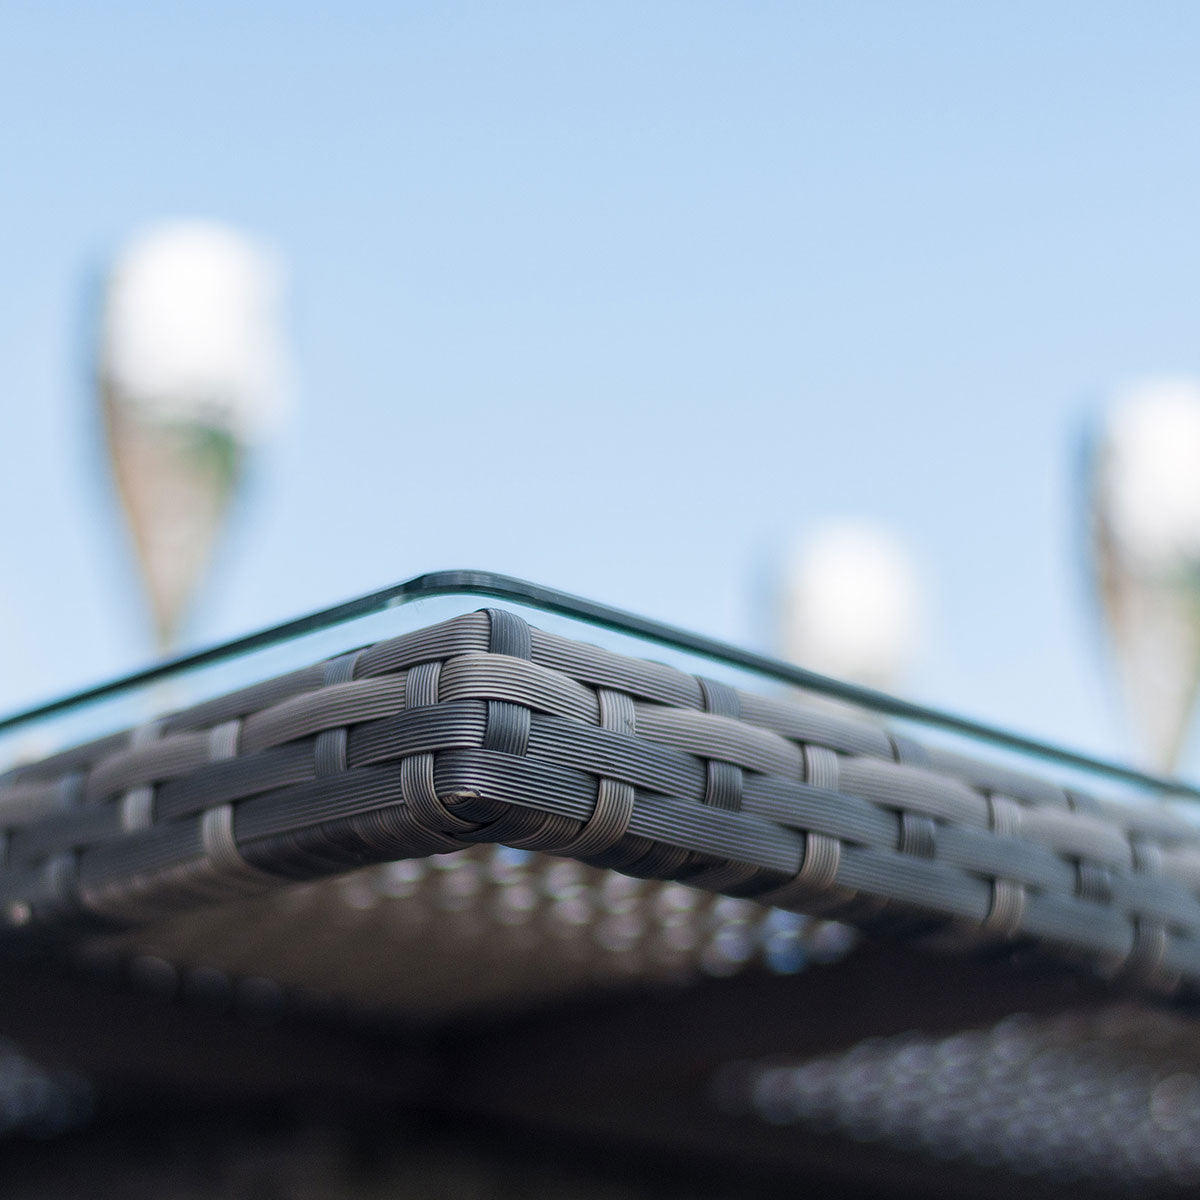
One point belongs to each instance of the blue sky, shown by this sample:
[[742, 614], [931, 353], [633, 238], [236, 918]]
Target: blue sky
[[617, 297]]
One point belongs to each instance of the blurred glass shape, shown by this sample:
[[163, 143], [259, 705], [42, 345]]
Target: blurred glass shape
[[851, 605], [1143, 495], [192, 373]]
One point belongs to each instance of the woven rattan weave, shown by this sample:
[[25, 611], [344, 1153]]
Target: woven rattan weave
[[483, 729]]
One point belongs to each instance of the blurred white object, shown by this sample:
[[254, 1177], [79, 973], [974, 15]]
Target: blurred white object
[[192, 371], [1144, 501], [851, 605], [192, 330]]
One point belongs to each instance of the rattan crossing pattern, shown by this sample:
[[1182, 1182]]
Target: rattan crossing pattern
[[484, 729]]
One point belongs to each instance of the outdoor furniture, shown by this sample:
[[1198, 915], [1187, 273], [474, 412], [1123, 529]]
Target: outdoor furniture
[[463, 808]]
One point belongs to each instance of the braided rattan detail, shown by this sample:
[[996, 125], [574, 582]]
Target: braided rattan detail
[[484, 729]]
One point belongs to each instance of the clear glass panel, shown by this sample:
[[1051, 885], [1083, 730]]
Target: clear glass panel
[[428, 599]]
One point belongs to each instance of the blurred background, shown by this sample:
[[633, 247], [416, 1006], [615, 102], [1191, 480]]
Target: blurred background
[[637, 301], [863, 334]]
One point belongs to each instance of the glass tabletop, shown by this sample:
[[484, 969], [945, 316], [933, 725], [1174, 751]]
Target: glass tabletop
[[426, 599]]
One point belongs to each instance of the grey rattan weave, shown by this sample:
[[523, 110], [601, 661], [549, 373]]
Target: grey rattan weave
[[484, 729]]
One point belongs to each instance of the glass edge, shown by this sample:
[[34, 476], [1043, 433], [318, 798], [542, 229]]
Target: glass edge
[[506, 587]]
